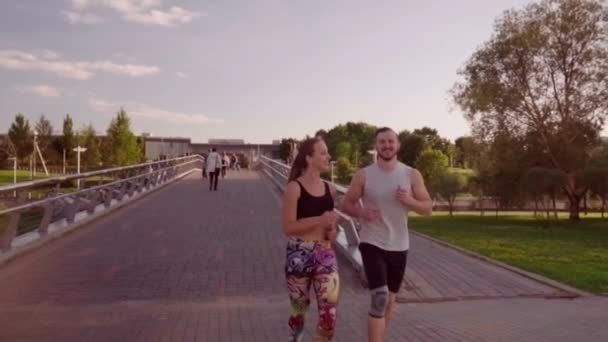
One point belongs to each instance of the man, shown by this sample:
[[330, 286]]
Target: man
[[214, 166], [389, 190]]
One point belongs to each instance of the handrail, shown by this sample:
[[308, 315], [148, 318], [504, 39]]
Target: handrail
[[83, 191], [60, 179], [340, 188], [91, 201]]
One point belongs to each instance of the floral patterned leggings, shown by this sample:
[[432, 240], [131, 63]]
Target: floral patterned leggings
[[311, 263]]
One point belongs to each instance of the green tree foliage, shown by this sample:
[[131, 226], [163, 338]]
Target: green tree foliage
[[542, 78], [20, 135]]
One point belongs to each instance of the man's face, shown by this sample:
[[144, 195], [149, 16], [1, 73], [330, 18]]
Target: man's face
[[387, 145]]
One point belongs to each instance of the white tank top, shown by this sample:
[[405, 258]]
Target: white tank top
[[390, 231]]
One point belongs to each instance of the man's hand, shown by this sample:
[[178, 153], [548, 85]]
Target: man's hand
[[404, 197], [369, 214]]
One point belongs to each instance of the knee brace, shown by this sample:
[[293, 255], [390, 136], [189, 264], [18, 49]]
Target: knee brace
[[379, 302]]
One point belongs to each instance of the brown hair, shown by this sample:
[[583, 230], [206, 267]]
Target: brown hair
[[305, 149], [385, 129]]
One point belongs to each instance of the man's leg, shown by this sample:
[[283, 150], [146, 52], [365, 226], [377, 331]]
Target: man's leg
[[375, 271], [211, 177], [396, 262], [217, 177]]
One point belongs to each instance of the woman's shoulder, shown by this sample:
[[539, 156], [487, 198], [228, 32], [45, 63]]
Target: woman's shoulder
[[293, 187]]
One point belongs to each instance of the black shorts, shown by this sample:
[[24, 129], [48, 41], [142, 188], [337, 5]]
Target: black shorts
[[383, 268]]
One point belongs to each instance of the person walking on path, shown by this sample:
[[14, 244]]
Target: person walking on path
[[389, 190], [309, 221], [214, 166]]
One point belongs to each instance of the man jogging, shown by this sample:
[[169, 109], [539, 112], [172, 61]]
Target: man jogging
[[389, 190]]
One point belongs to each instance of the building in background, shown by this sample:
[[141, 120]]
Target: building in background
[[166, 147]]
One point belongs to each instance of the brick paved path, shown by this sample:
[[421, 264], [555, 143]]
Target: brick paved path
[[184, 264]]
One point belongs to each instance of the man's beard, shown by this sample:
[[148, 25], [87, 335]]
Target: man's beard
[[391, 157]]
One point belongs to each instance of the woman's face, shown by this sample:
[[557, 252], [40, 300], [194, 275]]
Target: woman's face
[[320, 158]]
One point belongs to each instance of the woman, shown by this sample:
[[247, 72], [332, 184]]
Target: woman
[[309, 221]]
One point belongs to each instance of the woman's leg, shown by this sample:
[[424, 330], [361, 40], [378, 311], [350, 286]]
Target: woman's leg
[[298, 289], [326, 283]]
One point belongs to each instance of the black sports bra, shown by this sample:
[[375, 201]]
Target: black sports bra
[[311, 206]]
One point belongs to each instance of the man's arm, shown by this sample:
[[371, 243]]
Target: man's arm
[[419, 201], [350, 204]]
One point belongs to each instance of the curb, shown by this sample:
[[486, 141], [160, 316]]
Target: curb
[[533, 276], [32, 246]]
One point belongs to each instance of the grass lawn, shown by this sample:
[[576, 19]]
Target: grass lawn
[[6, 176], [575, 253]]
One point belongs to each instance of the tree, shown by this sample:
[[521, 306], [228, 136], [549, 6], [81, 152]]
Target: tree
[[285, 148], [4, 152], [69, 139], [92, 156], [45, 133], [542, 183], [449, 185], [412, 146], [20, 136], [467, 152], [344, 170], [480, 185], [597, 180], [432, 164], [433, 140], [344, 150], [123, 143], [543, 73], [359, 135]]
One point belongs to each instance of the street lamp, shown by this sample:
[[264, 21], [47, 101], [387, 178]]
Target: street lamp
[[14, 159], [78, 150], [374, 154], [35, 149], [331, 164]]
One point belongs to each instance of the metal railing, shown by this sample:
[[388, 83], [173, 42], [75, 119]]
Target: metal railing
[[37, 216], [348, 228]]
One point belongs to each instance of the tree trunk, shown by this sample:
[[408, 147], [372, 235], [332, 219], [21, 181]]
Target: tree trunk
[[451, 207], [535, 206], [575, 201], [603, 205], [554, 208], [585, 205]]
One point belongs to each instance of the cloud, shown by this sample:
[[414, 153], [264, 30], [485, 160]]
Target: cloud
[[147, 12], [149, 112], [50, 62], [40, 90], [181, 74], [82, 18]]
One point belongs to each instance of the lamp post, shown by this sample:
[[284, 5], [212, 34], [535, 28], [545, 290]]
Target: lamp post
[[14, 159], [374, 154], [78, 150], [332, 164], [35, 147]]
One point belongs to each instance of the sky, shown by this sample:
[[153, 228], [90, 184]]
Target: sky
[[252, 70]]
